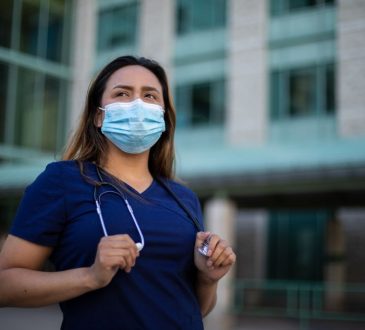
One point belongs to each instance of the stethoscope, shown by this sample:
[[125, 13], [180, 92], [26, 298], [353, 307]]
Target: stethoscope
[[123, 196]]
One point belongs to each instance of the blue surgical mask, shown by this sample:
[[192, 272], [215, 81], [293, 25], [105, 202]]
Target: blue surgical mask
[[133, 127]]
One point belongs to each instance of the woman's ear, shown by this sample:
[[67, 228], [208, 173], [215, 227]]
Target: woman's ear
[[99, 118]]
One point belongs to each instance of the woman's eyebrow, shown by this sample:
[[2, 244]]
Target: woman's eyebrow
[[151, 88], [123, 87], [144, 88]]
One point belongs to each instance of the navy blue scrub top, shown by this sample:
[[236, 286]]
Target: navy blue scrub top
[[58, 210]]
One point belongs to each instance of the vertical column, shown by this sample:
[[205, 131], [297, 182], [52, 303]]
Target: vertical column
[[335, 267], [157, 29], [247, 94], [10, 106], [252, 227], [353, 226], [351, 67], [83, 46], [220, 216]]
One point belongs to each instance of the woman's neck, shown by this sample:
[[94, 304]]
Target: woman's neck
[[130, 168]]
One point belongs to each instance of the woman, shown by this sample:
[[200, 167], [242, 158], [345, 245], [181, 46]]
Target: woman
[[123, 236]]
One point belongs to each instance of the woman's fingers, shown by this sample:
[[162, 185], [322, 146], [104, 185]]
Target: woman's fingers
[[225, 258], [113, 253], [118, 250], [214, 241], [220, 253]]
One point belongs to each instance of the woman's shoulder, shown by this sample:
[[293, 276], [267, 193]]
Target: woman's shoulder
[[62, 165], [63, 174], [61, 168], [57, 172]]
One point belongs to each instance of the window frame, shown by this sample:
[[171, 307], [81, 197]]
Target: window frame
[[185, 107], [215, 15], [133, 28], [282, 7], [280, 91]]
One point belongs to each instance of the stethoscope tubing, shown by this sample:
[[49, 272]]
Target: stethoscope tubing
[[117, 191]]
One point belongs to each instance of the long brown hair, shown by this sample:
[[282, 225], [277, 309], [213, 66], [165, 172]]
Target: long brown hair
[[89, 144]]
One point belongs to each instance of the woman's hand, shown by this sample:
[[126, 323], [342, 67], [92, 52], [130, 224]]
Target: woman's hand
[[219, 259], [114, 252]]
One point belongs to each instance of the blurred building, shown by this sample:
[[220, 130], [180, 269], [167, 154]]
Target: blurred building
[[270, 107]]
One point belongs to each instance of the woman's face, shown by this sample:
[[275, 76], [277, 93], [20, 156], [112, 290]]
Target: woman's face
[[126, 85], [132, 82]]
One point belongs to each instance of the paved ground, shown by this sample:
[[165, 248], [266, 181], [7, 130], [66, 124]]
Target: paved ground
[[49, 318], [46, 318], [255, 323]]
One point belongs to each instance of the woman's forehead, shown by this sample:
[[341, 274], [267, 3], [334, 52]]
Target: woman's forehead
[[134, 76]]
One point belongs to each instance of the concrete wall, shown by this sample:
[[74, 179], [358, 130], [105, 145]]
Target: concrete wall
[[353, 224], [83, 52], [157, 32], [220, 217], [247, 84], [351, 67]]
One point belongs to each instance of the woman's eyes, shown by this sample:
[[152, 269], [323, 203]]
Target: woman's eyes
[[123, 94], [150, 96], [146, 96]]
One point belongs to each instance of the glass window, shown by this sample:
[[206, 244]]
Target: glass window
[[3, 97], [183, 105], [330, 89], [42, 28], [6, 14], [275, 99], [194, 15], [279, 7], [302, 89], [303, 92], [200, 104], [51, 107], [29, 30], [117, 27], [26, 109], [39, 105], [297, 4], [56, 22], [296, 244], [35, 97], [200, 97]]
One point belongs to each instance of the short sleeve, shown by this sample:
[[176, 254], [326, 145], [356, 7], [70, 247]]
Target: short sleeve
[[41, 215]]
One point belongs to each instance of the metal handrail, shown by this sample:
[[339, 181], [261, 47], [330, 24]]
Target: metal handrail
[[302, 300]]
